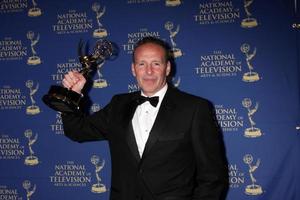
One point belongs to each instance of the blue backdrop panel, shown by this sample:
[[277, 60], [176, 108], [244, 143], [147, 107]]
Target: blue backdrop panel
[[241, 55]]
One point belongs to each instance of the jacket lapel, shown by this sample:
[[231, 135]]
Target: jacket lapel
[[166, 108], [130, 138], [165, 111]]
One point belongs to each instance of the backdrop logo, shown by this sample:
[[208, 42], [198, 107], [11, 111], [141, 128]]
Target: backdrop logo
[[95, 108], [228, 118], [70, 174], [72, 22], [133, 87], [12, 49], [176, 52], [249, 76], [100, 82], [33, 109], [100, 32], [251, 132], [176, 81], [136, 36], [172, 3], [57, 126], [9, 193], [217, 12], [99, 164], [34, 11], [217, 65], [249, 21], [236, 177], [34, 59], [10, 148], [254, 188], [63, 68], [8, 6], [30, 190], [32, 159], [11, 98], [141, 1]]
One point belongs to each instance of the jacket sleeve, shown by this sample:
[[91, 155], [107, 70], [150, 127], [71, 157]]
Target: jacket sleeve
[[82, 128], [211, 174]]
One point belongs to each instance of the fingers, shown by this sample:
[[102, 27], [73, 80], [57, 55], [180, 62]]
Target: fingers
[[67, 81], [74, 80], [70, 79]]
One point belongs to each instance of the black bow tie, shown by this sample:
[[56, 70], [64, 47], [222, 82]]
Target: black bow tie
[[153, 100]]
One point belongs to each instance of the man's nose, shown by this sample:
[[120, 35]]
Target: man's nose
[[149, 69]]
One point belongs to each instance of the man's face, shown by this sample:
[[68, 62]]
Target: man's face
[[150, 68]]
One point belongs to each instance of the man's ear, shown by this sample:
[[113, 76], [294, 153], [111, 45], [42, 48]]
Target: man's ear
[[168, 70], [132, 69]]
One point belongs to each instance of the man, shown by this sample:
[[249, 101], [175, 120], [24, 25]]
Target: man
[[171, 150]]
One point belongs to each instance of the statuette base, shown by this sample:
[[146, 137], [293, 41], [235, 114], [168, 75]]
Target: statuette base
[[34, 60], [251, 77], [252, 132], [249, 23], [31, 160], [100, 33], [98, 188], [100, 83], [253, 190], [32, 110], [34, 12]]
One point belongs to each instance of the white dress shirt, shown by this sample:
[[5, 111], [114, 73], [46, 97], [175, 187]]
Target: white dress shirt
[[143, 119]]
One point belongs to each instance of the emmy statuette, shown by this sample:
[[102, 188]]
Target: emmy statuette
[[65, 100]]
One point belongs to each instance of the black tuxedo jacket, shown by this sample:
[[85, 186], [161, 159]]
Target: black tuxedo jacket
[[183, 158]]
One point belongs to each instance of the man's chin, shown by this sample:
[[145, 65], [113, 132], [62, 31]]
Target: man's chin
[[148, 91]]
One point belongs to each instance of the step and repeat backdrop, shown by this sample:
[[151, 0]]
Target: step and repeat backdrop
[[242, 55]]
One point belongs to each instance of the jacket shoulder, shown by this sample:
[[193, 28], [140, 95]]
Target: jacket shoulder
[[123, 98], [189, 98]]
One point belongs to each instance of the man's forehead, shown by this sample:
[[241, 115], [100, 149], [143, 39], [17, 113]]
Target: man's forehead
[[150, 44]]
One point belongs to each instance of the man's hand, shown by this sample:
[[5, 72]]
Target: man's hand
[[75, 81]]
